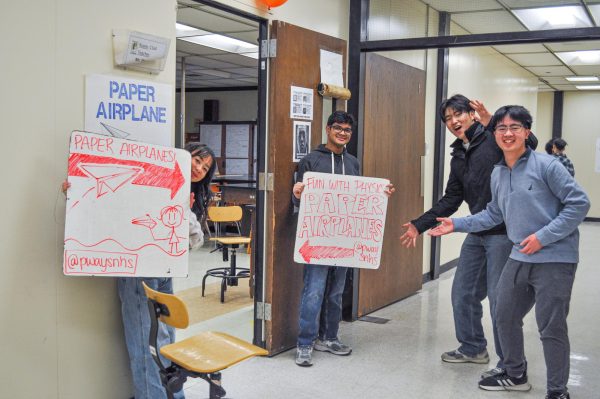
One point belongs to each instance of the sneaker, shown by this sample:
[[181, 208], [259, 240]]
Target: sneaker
[[334, 346], [492, 372], [504, 382], [456, 356], [304, 356], [557, 395]]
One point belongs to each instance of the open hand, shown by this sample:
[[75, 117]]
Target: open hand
[[409, 238], [446, 226], [481, 113]]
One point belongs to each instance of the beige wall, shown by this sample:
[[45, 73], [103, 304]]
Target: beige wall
[[542, 124], [62, 336], [580, 130], [233, 106]]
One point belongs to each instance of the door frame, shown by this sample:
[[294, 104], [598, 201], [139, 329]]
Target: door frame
[[261, 154], [358, 45]]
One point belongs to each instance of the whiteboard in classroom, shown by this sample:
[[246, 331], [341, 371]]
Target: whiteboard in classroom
[[211, 136], [341, 220], [127, 209]]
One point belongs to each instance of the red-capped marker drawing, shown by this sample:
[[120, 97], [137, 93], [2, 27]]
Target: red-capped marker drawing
[[171, 217], [309, 252]]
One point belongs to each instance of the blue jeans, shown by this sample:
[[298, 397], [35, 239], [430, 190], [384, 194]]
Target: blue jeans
[[321, 303], [136, 323], [482, 259]]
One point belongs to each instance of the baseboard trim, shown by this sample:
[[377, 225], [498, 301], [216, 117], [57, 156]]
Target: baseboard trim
[[443, 269], [590, 219]]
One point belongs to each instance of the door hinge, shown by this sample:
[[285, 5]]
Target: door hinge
[[263, 311], [268, 48], [265, 181]]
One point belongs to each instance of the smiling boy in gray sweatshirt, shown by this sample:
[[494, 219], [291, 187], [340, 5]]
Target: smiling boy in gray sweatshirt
[[541, 205]]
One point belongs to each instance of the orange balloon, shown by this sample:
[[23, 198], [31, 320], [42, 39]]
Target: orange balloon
[[273, 3]]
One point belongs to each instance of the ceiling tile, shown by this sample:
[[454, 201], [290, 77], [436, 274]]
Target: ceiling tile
[[521, 48], [538, 3], [239, 60], [549, 71], [555, 79], [488, 22], [535, 59], [574, 46], [585, 70], [463, 5]]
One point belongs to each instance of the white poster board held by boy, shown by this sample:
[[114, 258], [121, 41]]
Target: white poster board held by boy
[[127, 208], [341, 220]]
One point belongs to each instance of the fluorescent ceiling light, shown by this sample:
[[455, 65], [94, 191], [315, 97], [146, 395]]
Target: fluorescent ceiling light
[[584, 57], [582, 78], [553, 17], [214, 40], [588, 87]]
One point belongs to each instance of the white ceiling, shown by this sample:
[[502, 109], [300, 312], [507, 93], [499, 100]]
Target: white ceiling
[[205, 64], [494, 16], [206, 67]]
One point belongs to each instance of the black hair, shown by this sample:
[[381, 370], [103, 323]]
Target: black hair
[[516, 112], [548, 146], [560, 144], [457, 102], [201, 189], [340, 117]]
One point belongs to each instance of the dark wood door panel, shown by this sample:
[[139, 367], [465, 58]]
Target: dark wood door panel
[[393, 145]]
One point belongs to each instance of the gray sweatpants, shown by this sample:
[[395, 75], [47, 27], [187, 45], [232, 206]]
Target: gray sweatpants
[[548, 286]]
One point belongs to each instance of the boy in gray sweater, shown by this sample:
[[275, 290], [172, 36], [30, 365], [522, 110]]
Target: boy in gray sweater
[[541, 205]]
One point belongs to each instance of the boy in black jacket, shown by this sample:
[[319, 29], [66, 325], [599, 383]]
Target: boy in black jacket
[[483, 255]]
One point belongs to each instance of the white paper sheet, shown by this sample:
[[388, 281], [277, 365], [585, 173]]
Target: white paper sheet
[[332, 71]]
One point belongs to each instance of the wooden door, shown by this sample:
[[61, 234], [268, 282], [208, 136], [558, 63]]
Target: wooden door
[[296, 64], [393, 143]]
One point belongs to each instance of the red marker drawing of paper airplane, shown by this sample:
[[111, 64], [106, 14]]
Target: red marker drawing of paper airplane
[[109, 178], [148, 174], [309, 252]]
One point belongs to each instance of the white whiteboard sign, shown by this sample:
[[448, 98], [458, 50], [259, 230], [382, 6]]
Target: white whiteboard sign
[[341, 220], [127, 208], [126, 108]]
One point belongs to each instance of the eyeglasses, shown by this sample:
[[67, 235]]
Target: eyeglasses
[[338, 129], [503, 129]]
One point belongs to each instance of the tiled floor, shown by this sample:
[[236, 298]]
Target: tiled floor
[[400, 359]]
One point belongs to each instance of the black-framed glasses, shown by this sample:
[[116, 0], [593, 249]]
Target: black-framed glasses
[[503, 129], [338, 129]]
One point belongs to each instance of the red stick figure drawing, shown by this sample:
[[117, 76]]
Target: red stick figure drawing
[[171, 217]]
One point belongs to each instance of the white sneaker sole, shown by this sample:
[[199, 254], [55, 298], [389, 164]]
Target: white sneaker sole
[[521, 388]]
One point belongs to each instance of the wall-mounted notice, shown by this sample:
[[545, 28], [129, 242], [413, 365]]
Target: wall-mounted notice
[[127, 208], [211, 136], [126, 108], [301, 140], [341, 220], [301, 103], [237, 141]]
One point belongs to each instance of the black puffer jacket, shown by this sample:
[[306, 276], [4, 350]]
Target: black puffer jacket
[[470, 174]]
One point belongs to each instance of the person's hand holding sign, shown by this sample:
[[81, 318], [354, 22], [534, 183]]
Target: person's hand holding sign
[[297, 190], [389, 190]]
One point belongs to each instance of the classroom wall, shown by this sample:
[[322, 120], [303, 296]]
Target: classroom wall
[[580, 130], [233, 106], [61, 337], [542, 124]]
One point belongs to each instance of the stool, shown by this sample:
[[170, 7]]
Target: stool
[[228, 275]]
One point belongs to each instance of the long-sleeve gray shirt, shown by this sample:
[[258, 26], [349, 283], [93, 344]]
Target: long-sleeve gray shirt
[[538, 196]]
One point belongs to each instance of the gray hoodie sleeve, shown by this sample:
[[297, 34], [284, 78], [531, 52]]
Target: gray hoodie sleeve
[[576, 205], [487, 218]]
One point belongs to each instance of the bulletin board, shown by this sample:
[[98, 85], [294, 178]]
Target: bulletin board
[[341, 220], [127, 208]]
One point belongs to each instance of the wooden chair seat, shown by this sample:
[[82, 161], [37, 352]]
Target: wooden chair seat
[[233, 240], [208, 352]]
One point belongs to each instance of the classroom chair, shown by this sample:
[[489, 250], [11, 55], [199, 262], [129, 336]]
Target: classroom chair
[[202, 356]]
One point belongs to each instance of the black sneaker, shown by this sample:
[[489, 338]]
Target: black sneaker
[[557, 395], [504, 382]]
